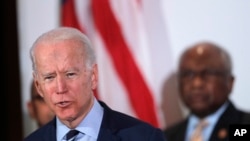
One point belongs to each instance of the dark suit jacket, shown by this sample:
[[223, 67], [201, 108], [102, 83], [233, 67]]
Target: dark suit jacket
[[221, 129], [115, 126]]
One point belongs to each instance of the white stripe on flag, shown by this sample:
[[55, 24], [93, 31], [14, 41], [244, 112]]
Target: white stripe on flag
[[143, 31]]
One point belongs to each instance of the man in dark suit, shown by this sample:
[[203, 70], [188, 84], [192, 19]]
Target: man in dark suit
[[65, 74], [205, 82]]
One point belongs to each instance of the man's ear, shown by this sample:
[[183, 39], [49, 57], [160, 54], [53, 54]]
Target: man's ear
[[230, 84], [38, 88], [94, 77], [37, 85]]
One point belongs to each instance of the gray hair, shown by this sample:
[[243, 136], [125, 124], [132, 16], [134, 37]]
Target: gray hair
[[65, 33]]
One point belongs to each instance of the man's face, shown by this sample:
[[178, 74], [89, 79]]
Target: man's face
[[63, 79], [203, 81]]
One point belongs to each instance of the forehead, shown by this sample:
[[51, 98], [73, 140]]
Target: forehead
[[58, 48], [60, 44], [201, 58], [58, 54]]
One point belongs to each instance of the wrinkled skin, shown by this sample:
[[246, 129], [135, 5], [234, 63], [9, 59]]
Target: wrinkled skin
[[64, 81]]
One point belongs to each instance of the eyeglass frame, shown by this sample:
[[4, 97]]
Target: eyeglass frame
[[205, 74]]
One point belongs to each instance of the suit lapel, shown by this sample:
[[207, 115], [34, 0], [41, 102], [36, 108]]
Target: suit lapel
[[230, 116], [177, 133], [50, 133], [108, 130], [181, 131], [107, 135]]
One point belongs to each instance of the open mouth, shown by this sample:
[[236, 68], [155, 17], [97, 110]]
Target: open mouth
[[63, 104]]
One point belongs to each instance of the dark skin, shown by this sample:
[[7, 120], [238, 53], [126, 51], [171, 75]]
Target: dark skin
[[205, 80]]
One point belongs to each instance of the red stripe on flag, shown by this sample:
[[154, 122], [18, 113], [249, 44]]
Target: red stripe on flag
[[68, 15], [69, 18], [139, 94]]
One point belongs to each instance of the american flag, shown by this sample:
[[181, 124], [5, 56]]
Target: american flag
[[133, 54]]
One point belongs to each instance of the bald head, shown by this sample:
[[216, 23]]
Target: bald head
[[210, 50]]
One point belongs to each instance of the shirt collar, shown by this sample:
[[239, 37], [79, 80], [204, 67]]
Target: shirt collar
[[90, 125], [211, 119]]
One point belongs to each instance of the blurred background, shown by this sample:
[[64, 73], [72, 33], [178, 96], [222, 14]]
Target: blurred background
[[149, 35]]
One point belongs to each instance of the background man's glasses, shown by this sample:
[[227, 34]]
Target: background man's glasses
[[205, 74]]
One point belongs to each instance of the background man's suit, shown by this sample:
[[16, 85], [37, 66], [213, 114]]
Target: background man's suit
[[220, 131]]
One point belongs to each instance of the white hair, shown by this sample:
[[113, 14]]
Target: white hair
[[65, 33]]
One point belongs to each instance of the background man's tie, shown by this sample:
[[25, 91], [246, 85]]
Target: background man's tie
[[197, 134]]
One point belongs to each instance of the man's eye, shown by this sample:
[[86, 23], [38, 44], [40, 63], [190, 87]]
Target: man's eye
[[210, 73], [186, 74], [71, 75], [47, 78]]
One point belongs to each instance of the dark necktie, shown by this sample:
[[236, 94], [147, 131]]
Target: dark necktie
[[71, 134]]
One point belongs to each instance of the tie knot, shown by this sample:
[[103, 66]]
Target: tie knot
[[202, 124], [197, 133], [71, 134]]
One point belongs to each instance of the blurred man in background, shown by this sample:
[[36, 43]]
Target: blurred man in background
[[205, 81], [38, 109]]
